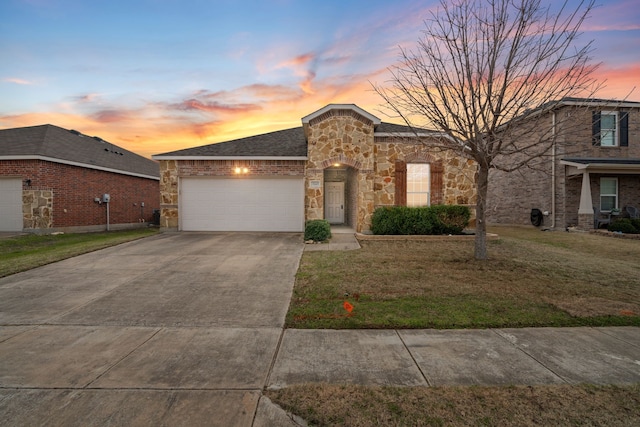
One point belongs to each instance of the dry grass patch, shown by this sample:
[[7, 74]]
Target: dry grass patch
[[350, 405], [532, 278]]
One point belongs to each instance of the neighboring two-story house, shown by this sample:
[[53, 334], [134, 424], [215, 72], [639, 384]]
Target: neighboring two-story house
[[591, 170], [340, 165]]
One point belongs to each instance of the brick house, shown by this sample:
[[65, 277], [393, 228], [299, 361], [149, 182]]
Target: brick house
[[53, 179], [340, 165], [592, 168]]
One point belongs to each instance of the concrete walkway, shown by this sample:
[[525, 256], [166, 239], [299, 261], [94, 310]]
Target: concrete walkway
[[186, 329]]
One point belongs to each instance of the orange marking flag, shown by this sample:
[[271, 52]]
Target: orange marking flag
[[347, 306]]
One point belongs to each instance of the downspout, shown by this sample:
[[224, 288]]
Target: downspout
[[553, 170]]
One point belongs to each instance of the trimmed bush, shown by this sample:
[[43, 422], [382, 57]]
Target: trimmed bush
[[437, 219], [318, 230], [624, 225]]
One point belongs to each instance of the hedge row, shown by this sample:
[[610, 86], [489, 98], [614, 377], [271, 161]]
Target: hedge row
[[625, 225], [437, 219]]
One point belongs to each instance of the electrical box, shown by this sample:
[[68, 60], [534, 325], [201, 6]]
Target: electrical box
[[106, 198]]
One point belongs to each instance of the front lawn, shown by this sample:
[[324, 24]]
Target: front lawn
[[24, 252], [532, 278]]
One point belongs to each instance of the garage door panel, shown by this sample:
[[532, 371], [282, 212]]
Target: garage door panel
[[10, 204], [216, 204]]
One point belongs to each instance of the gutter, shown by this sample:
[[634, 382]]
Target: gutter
[[553, 171]]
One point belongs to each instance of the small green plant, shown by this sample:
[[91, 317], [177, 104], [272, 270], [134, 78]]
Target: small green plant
[[317, 230], [437, 219], [624, 225]]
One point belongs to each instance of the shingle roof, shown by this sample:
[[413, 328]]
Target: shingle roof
[[394, 128], [55, 143], [282, 143]]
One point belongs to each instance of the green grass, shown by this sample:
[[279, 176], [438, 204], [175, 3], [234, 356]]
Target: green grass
[[25, 252], [532, 278]]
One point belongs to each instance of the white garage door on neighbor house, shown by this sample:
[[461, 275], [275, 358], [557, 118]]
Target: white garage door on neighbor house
[[10, 204], [242, 204]]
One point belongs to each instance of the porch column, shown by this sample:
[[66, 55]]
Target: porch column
[[586, 203], [585, 212]]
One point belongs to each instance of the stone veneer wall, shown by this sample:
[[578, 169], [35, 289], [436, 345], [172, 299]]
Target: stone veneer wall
[[345, 137], [37, 209], [171, 171], [458, 177]]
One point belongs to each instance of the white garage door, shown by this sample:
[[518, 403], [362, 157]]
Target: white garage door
[[10, 204], [243, 204]]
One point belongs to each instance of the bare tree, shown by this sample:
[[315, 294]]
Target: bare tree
[[481, 65]]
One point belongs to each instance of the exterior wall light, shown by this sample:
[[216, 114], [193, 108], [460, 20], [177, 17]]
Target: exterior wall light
[[336, 165], [240, 170]]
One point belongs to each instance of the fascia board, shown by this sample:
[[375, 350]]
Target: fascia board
[[161, 157]]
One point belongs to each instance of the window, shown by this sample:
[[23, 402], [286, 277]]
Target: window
[[418, 184], [608, 194], [608, 129]]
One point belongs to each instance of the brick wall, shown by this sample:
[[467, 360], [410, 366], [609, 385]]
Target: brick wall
[[512, 195], [73, 190]]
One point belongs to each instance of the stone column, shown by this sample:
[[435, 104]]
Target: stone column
[[585, 212]]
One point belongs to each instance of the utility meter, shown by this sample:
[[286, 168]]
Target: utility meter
[[106, 198]]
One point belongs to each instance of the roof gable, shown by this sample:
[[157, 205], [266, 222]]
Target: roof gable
[[53, 143]]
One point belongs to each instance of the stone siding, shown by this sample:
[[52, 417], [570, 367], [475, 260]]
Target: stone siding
[[458, 177], [348, 140], [37, 209]]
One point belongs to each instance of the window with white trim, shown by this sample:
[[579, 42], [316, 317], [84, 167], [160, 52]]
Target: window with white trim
[[608, 194], [418, 184], [608, 129]]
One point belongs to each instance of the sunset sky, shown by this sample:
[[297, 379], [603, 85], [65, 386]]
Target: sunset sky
[[159, 75]]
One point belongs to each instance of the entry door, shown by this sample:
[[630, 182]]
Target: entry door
[[334, 202]]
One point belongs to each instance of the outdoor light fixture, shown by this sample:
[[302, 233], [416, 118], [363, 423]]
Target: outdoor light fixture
[[27, 182], [336, 165], [240, 170]]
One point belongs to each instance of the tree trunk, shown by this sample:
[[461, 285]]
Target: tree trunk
[[482, 186]]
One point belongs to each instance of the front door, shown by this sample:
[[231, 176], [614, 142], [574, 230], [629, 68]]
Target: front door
[[334, 202]]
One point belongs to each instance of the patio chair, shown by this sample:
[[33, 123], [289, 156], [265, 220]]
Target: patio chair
[[633, 212], [597, 221]]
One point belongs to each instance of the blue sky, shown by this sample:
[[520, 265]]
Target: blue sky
[[159, 75]]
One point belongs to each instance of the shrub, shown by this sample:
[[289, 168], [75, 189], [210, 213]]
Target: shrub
[[439, 219], [317, 230], [623, 225]]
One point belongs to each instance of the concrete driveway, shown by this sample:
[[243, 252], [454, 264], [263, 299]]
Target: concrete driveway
[[176, 329]]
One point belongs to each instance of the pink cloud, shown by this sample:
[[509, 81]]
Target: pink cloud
[[17, 81]]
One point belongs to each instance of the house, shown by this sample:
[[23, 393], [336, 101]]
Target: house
[[340, 165], [53, 179], [591, 171]]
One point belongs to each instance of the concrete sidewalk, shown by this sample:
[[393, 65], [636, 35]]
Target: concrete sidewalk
[[528, 356]]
